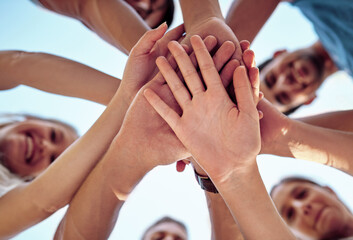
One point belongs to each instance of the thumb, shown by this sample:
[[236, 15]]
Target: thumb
[[148, 40]]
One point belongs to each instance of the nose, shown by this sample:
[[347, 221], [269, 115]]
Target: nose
[[146, 5], [48, 149], [303, 207]]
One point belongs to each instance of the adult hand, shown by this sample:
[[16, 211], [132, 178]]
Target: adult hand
[[216, 27], [211, 126], [141, 67]]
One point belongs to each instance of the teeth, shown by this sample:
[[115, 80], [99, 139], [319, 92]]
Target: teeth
[[29, 147]]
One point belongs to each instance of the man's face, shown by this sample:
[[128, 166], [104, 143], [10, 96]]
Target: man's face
[[291, 79], [152, 11], [311, 211], [29, 147], [166, 231]]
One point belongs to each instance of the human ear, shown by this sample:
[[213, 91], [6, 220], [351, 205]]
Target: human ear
[[310, 100], [279, 52]]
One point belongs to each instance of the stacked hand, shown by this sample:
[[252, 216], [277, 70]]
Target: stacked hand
[[222, 136], [141, 67]]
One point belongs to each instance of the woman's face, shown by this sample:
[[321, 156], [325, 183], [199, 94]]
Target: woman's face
[[152, 11], [311, 211], [30, 146]]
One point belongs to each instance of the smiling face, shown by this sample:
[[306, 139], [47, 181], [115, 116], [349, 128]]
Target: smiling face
[[311, 211], [291, 79], [152, 11], [166, 231], [30, 146]]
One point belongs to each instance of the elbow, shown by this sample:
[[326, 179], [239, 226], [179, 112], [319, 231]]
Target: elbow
[[49, 206]]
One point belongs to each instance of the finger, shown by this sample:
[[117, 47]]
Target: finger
[[249, 58], [148, 40], [261, 114], [178, 89], [223, 54], [180, 166], [210, 43], [187, 68], [243, 90], [168, 114], [173, 35], [227, 72], [244, 44], [255, 83], [205, 61]]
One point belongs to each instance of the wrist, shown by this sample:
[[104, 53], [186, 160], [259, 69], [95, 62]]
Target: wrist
[[237, 178], [123, 167]]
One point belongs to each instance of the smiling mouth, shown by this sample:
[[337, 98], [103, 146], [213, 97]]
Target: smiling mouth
[[317, 218], [30, 149]]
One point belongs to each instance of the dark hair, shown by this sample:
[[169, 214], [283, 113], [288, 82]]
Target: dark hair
[[293, 179], [168, 15], [165, 219], [291, 110]]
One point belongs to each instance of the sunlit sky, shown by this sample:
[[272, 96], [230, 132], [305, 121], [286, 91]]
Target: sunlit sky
[[24, 26]]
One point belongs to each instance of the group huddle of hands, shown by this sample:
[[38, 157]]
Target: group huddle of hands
[[181, 105]]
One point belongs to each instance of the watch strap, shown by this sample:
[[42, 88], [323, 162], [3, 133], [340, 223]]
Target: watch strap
[[205, 183]]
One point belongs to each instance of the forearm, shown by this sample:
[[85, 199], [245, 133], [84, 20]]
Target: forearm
[[56, 75], [247, 17], [115, 21], [250, 204], [81, 156], [118, 172], [340, 120], [223, 224], [322, 145], [198, 11]]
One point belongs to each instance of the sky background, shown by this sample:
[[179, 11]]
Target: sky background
[[24, 26]]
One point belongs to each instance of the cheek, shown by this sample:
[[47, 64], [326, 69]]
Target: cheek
[[10, 152], [332, 222]]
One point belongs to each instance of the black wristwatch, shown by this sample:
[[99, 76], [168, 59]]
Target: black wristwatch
[[205, 183]]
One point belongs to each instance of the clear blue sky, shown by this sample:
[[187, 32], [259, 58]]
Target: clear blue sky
[[23, 26]]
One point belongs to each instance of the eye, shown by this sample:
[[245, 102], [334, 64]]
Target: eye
[[290, 214], [52, 158], [302, 194], [270, 80], [283, 98], [53, 136], [158, 236]]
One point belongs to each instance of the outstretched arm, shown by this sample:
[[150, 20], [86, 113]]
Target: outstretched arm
[[54, 188], [113, 20], [340, 120], [57, 75], [287, 137], [247, 17], [222, 222], [223, 137]]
